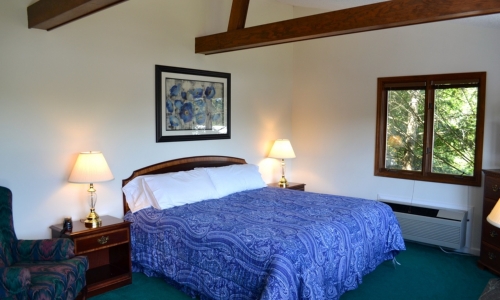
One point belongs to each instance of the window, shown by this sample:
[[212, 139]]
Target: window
[[430, 127]]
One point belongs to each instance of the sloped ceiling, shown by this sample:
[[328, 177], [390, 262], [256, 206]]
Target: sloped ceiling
[[492, 21]]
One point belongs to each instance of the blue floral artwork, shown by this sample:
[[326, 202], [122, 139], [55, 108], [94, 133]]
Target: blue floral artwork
[[194, 105], [191, 104]]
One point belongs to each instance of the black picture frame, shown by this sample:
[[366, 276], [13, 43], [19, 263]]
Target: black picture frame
[[192, 104]]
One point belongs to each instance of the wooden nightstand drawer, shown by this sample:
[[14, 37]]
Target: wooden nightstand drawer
[[492, 188], [491, 234], [101, 240], [488, 205], [490, 256]]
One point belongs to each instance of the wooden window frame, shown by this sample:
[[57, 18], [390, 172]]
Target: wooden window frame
[[426, 174]]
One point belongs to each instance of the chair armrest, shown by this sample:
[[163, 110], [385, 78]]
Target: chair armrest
[[48, 250], [13, 280]]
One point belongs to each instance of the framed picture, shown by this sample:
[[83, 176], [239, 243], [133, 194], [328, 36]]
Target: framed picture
[[192, 104]]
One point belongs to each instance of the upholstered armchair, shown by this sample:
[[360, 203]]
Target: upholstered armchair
[[37, 269]]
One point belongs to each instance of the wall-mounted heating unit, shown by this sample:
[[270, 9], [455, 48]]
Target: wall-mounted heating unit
[[441, 227]]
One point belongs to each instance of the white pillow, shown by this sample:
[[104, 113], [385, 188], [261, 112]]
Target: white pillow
[[179, 188], [235, 178], [138, 195]]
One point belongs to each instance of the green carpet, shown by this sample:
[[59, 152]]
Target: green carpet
[[425, 273]]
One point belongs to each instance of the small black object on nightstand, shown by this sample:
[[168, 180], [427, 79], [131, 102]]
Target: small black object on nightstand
[[67, 226]]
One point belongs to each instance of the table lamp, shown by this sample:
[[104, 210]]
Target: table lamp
[[282, 149], [494, 217], [91, 167]]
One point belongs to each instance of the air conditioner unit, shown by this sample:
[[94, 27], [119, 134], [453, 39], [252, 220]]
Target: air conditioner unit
[[435, 226]]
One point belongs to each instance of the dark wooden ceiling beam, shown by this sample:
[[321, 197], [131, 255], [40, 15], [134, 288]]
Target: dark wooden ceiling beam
[[238, 15], [49, 14], [376, 16]]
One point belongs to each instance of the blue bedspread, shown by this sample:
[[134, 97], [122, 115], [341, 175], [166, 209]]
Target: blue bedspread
[[267, 243]]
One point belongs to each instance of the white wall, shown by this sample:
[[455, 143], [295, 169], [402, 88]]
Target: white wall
[[89, 85], [334, 107]]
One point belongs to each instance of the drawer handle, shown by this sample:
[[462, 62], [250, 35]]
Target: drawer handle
[[493, 233], [491, 255], [495, 187], [103, 240]]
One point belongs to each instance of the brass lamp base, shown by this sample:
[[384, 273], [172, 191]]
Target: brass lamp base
[[283, 182], [93, 220]]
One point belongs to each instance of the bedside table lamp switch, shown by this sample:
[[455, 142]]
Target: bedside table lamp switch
[[91, 167], [282, 149]]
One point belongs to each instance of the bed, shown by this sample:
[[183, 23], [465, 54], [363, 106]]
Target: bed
[[260, 243]]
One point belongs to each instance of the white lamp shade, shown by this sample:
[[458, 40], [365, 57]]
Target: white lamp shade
[[282, 149], [90, 167], [494, 217]]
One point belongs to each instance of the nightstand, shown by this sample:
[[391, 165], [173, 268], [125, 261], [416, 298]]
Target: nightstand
[[291, 186], [107, 249]]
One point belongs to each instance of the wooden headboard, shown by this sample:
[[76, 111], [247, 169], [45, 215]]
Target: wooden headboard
[[181, 164]]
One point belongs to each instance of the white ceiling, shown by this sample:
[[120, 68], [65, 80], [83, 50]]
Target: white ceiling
[[329, 5]]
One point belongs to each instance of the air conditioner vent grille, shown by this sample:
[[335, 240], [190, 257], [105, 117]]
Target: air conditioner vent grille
[[423, 229], [433, 230]]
